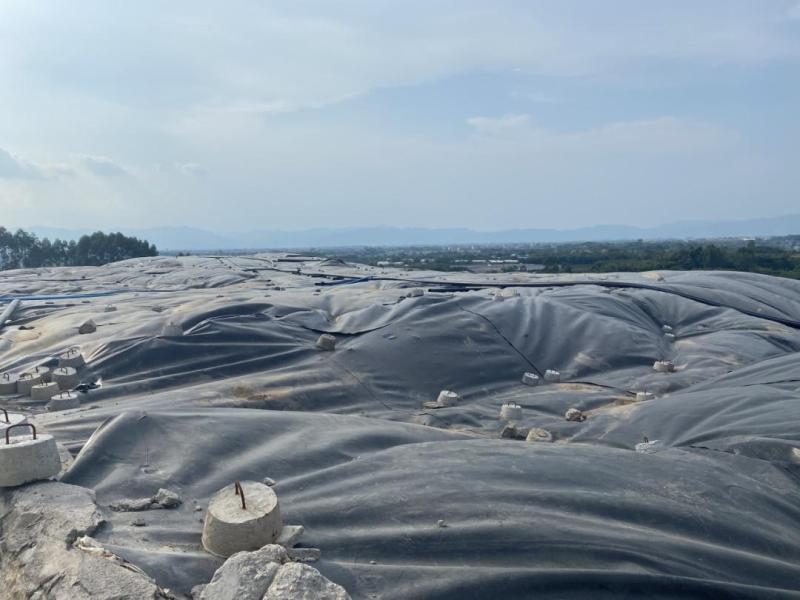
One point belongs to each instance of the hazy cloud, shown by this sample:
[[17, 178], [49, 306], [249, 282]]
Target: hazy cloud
[[13, 167], [103, 167]]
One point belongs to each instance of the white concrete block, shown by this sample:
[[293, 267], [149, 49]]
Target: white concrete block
[[530, 379], [229, 528], [511, 411], [8, 384], [664, 366], [26, 381], [24, 459], [552, 376], [44, 391], [71, 358], [416, 293], [326, 342], [447, 398], [63, 401], [66, 377]]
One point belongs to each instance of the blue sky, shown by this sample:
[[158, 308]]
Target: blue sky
[[489, 115]]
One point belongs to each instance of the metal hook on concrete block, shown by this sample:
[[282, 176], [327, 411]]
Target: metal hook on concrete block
[[240, 492], [5, 413], [8, 439]]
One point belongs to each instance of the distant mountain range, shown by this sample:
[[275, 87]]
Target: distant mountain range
[[188, 238]]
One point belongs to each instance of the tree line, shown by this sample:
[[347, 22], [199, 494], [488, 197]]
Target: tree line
[[22, 249]]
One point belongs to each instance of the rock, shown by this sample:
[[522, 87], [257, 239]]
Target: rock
[[509, 432], [246, 575], [138, 522], [664, 366], [110, 308], [573, 414], [268, 481], [131, 504], [326, 342], [57, 515], [290, 535], [87, 326], [539, 435], [302, 582], [304, 554], [167, 499]]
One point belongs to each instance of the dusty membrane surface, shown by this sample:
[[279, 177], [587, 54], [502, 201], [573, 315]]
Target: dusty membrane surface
[[408, 502]]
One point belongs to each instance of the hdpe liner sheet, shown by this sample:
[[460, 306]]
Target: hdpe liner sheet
[[244, 394]]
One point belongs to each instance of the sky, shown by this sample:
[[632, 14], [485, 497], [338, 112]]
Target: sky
[[495, 114]]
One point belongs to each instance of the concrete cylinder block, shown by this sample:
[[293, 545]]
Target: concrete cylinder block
[[71, 358], [43, 372], [573, 414], [511, 411], [241, 517], [447, 398], [66, 377], [416, 292], [326, 342], [44, 391], [552, 376], [26, 381], [666, 328], [25, 458], [63, 401], [8, 384], [8, 419], [664, 366], [530, 379], [643, 396]]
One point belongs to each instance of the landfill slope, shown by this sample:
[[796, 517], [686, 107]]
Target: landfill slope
[[209, 373]]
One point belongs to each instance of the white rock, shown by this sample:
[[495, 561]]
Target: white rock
[[296, 581], [643, 396], [290, 535], [539, 435], [664, 366], [167, 499], [88, 326], [246, 575], [573, 414]]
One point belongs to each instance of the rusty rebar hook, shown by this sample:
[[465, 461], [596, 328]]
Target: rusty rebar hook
[[8, 439], [5, 413], [240, 492]]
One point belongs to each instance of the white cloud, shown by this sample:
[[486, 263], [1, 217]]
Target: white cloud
[[102, 166], [13, 167]]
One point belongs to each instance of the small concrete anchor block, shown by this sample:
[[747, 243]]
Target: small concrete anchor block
[[8, 384], [71, 358], [26, 381], [664, 366], [66, 377], [573, 414], [511, 411], [25, 458], [530, 379], [552, 376], [44, 391], [447, 398], [242, 516], [63, 401], [326, 342]]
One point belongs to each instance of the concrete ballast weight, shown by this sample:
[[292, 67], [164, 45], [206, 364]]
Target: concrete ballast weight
[[24, 458], [530, 379], [8, 384], [26, 382], [63, 401], [230, 528], [71, 358], [66, 377], [447, 398], [326, 342], [44, 391], [511, 411]]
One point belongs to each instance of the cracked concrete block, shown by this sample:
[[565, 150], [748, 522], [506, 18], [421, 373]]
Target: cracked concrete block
[[230, 528]]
